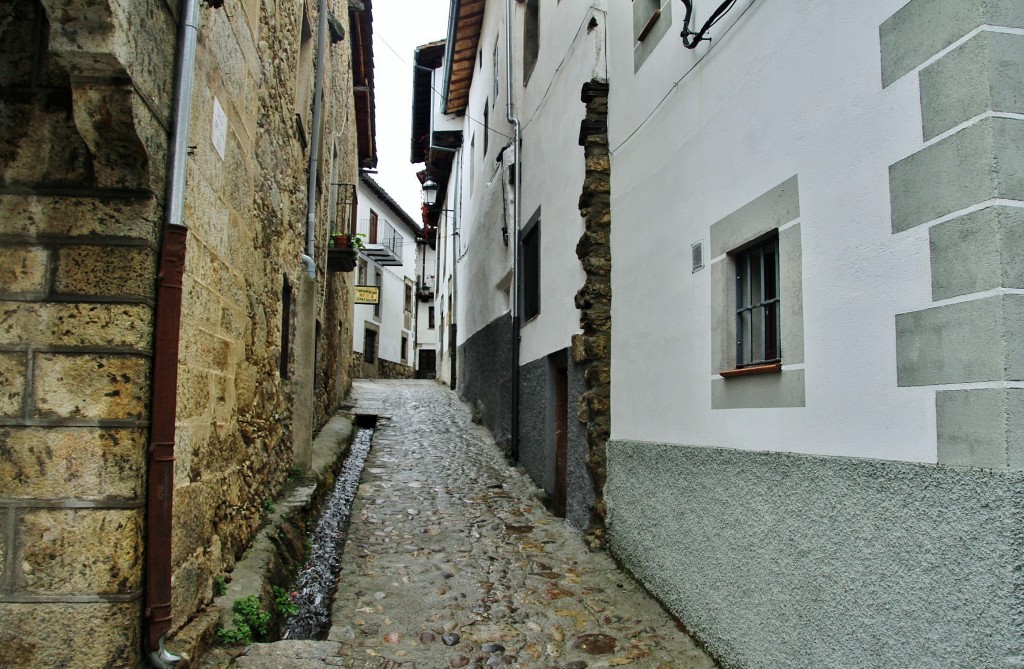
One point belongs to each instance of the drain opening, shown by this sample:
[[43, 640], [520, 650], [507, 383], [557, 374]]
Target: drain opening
[[366, 420]]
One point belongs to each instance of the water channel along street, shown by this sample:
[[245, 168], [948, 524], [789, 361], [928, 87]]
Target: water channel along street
[[452, 560]]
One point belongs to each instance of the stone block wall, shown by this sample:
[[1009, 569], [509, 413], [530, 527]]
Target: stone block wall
[[83, 152], [81, 166]]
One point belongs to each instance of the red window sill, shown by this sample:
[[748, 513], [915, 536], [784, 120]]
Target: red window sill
[[770, 368]]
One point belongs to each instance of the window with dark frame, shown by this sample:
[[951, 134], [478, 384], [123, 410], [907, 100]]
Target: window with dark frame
[[430, 318], [373, 227], [531, 38], [369, 346], [286, 330], [757, 304], [531, 272]]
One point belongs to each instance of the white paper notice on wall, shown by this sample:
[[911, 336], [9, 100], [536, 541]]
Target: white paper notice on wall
[[220, 128]]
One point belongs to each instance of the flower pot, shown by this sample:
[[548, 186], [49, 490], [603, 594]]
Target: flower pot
[[342, 241]]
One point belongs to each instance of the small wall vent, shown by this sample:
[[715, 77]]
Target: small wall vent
[[697, 252]]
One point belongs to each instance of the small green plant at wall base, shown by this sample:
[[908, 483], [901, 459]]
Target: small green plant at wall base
[[268, 505], [250, 623], [220, 585], [283, 604]]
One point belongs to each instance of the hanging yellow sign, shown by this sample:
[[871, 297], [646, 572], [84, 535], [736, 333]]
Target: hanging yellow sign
[[367, 294]]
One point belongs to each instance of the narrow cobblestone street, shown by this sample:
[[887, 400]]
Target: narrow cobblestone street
[[453, 561]]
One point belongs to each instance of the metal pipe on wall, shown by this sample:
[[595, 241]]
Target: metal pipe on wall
[[516, 217], [167, 335], [314, 147]]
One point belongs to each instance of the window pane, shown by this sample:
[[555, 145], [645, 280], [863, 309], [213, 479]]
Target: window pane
[[771, 278], [755, 277], [771, 334], [743, 325], [757, 335]]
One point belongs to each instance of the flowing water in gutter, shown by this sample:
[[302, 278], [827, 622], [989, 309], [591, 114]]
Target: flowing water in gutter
[[315, 585]]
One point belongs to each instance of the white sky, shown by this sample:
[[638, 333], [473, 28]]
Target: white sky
[[401, 25]]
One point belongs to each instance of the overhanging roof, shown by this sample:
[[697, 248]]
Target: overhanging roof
[[361, 28], [428, 58], [465, 20]]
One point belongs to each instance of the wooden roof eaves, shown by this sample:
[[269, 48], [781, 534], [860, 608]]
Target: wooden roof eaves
[[465, 21]]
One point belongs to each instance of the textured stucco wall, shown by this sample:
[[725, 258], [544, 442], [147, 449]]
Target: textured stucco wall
[[809, 562], [486, 376]]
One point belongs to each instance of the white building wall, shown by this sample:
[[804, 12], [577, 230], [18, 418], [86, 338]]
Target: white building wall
[[695, 135], [391, 323]]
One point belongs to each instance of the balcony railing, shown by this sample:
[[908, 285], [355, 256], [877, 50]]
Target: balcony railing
[[383, 244]]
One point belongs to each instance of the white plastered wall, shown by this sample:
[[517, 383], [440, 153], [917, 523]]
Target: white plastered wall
[[695, 135]]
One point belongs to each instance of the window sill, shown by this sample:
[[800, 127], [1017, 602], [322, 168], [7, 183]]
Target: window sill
[[770, 368]]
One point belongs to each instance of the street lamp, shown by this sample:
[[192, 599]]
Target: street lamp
[[430, 189]]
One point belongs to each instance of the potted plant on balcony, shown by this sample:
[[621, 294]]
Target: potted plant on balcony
[[346, 240], [342, 250]]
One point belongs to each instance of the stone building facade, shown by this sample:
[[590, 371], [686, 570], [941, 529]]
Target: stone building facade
[[87, 93]]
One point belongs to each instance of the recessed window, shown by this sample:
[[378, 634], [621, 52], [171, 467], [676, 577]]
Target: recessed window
[[757, 304], [487, 125], [430, 318], [531, 269], [369, 346], [304, 78], [651, 21], [531, 38], [286, 329]]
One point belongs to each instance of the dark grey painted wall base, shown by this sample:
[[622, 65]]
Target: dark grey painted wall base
[[485, 376], [779, 560], [537, 434], [486, 383]]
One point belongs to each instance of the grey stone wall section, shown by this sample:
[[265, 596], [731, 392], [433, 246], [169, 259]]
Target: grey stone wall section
[[536, 423], [922, 28], [982, 427], [978, 163], [764, 557], [486, 377], [766, 212], [986, 73], [977, 341], [980, 251]]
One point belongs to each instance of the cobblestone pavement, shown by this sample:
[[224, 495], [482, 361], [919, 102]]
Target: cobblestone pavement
[[452, 561]]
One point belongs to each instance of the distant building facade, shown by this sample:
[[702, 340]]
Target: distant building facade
[[385, 336]]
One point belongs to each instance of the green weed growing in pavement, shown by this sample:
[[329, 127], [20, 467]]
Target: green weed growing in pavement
[[283, 604], [250, 622]]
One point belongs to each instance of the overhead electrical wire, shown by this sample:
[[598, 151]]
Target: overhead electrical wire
[[690, 38], [413, 67]]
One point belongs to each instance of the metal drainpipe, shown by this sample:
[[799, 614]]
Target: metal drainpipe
[[167, 333], [516, 209], [314, 149]]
